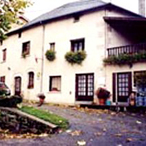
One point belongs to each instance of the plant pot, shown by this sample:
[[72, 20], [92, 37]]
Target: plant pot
[[102, 101]]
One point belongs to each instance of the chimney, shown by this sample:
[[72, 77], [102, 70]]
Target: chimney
[[142, 7]]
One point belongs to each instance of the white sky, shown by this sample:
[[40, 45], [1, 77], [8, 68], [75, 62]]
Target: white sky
[[41, 6]]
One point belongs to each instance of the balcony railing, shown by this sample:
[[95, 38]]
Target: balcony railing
[[128, 49]]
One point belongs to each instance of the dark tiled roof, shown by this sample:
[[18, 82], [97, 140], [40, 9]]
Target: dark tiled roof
[[67, 9]]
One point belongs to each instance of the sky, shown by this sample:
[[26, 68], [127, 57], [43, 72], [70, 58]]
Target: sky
[[41, 6]]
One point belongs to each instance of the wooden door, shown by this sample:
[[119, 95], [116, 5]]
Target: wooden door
[[84, 87], [124, 86], [17, 85]]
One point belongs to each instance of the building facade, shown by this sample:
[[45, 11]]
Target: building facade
[[93, 26]]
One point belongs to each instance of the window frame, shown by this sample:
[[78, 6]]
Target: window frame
[[4, 55], [26, 48], [77, 43], [50, 83], [30, 80]]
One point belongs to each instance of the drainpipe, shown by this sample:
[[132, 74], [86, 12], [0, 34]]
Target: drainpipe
[[105, 42], [42, 63]]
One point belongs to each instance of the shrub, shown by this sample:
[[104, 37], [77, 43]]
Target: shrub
[[12, 101], [75, 57], [50, 55]]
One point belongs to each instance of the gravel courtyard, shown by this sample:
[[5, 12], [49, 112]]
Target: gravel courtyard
[[91, 127]]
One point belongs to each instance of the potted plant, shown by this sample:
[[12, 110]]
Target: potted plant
[[50, 55], [41, 97], [75, 57], [102, 95], [24, 54]]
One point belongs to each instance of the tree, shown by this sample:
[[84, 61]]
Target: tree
[[10, 10]]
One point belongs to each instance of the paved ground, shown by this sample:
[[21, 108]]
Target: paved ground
[[93, 127]]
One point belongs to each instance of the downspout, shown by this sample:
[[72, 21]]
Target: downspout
[[105, 41], [42, 62]]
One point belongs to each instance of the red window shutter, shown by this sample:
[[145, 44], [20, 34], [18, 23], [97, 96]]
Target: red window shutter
[[2, 79], [4, 54]]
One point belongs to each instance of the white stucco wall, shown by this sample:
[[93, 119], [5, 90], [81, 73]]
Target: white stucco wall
[[91, 27], [16, 65]]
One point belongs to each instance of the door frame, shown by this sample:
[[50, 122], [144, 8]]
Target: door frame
[[17, 92], [116, 89], [84, 97]]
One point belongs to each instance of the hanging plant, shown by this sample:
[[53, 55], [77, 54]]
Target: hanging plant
[[24, 55], [50, 55], [75, 57], [123, 59]]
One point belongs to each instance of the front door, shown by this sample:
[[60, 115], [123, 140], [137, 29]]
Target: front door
[[84, 87], [17, 85], [122, 86]]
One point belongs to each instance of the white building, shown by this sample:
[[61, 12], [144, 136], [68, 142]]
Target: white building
[[90, 25]]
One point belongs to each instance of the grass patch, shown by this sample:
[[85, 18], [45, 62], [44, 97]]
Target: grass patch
[[47, 116]]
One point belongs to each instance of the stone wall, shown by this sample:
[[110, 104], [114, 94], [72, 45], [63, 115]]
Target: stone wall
[[18, 123]]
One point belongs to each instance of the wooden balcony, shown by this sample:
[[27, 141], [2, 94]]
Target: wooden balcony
[[128, 49]]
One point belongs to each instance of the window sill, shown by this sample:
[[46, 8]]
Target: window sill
[[30, 88], [3, 62], [28, 55], [54, 92]]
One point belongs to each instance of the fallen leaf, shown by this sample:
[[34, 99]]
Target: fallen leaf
[[138, 122], [68, 131], [43, 135], [76, 133], [81, 143], [129, 139], [104, 129], [98, 134], [118, 135], [113, 113]]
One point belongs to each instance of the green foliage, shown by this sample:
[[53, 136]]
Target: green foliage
[[10, 10], [47, 116], [123, 59], [140, 78], [75, 57], [10, 101], [2, 93], [50, 55]]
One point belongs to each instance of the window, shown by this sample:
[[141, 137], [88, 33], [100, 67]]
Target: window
[[2, 79], [25, 48], [55, 83], [52, 46], [140, 77], [30, 80], [4, 54], [1, 42], [76, 18], [19, 35], [84, 87], [77, 45]]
